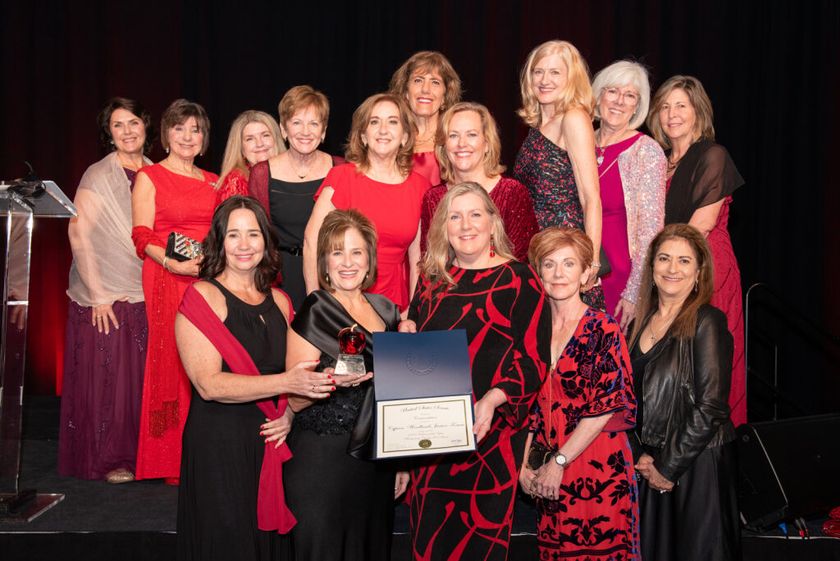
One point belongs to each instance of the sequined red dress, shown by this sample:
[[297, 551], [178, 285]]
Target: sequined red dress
[[546, 170], [597, 515], [461, 505], [515, 208], [185, 205]]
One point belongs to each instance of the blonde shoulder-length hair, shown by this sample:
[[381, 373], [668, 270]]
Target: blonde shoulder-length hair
[[492, 157], [233, 158], [578, 91], [439, 253]]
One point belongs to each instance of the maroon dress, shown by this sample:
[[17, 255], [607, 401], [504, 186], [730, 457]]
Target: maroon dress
[[515, 208], [103, 381], [461, 505], [546, 170], [597, 515]]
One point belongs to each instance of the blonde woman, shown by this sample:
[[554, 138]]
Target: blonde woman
[[557, 160], [254, 137], [462, 505]]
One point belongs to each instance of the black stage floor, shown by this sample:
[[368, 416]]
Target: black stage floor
[[136, 521]]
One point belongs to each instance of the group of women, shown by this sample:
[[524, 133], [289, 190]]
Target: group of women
[[598, 234]]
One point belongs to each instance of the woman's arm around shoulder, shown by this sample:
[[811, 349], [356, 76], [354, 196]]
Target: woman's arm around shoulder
[[203, 362]]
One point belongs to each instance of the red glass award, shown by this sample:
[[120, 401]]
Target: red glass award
[[351, 344]]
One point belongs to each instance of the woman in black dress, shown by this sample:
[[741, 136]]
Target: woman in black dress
[[681, 352], [231, 334], [286, 183], [462, 505], [343, 501]]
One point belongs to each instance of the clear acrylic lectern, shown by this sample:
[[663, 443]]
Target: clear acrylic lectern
[[19, 206]]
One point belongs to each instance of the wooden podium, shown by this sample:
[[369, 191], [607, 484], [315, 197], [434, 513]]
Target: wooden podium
[[20, 203]]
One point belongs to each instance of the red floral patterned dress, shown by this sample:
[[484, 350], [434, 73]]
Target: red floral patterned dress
[[597, 515]]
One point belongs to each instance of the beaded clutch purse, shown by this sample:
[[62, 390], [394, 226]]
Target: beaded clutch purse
[[182, 248]]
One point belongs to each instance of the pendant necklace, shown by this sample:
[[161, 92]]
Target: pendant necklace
[[599, 159]]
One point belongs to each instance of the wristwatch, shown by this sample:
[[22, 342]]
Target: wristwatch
[[561, 460]]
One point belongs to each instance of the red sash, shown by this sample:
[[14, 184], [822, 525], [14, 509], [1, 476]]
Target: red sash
[[272, 512]]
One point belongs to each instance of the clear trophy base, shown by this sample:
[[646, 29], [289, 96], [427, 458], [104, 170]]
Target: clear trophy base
[[350, 364]]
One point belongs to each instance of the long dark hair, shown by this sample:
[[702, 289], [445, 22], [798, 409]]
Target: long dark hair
[[684, 325], [214, 262]]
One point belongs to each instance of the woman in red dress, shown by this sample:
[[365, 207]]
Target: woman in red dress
[[587, 505], [469, 150], [462, 505], [379, 183], [430, 85], [173, 195], [701, 180], [254, 137]]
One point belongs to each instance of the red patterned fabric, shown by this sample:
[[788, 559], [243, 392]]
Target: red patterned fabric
[[462, 505], [597, 515], [185, 205], [235, 183], [546, 170], [272, 512], [515, 208]]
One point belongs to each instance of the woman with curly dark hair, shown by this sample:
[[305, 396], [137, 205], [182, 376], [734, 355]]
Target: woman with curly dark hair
[[231, 332]]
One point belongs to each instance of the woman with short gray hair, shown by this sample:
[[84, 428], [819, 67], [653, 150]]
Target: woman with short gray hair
[[631, 171]]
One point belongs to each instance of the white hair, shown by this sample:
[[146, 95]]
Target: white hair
[[620, 74]]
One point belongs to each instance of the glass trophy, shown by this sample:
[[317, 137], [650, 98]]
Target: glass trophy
[[351, 345]]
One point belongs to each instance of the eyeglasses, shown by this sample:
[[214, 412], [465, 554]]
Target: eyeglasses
[[629, 97]]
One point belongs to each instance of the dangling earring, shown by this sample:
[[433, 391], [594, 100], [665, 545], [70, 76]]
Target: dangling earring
[[327, 280], [167, 149], [492, 248], [695, 284]]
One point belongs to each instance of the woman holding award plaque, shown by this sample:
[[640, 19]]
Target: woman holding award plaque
[[172, 196], [343, 503], [462, 505]]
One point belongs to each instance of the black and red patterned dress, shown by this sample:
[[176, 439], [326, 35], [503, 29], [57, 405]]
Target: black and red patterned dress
[[546, 170], [462, 504], [597, 515]]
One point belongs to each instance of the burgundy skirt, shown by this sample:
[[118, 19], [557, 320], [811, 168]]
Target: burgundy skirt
[[103, 384]]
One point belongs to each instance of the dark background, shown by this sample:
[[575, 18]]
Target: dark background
[[771, 70]]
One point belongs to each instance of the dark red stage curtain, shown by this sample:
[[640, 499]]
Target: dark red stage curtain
[[770, 69]]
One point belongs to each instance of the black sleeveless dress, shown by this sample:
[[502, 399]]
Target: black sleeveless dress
[[223, 451], [291, 205], [344, 506]]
